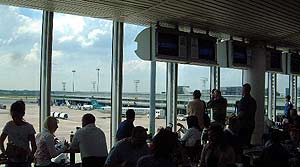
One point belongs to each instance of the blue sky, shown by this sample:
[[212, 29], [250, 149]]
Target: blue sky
[[83, 44]]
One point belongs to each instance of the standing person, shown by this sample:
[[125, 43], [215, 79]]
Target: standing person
[[125, 128], [46, 144], [20, 133], [219, 107], [91, 143], [196, 108], [288, 106], [246, 115]]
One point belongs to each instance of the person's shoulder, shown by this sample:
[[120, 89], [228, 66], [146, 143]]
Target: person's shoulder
[[145, 160], [9, 123]]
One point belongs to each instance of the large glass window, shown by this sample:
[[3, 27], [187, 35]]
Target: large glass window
[[282, 91], [231, 87], [190, 78], [20, 34], [81, 72], [136, 78]]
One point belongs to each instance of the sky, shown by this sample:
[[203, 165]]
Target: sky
[[84, 44]]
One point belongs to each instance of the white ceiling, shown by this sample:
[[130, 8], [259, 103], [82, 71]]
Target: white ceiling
[[272, 21]]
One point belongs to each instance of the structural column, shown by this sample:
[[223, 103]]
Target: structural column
[[255, 76], [293, 89], [172, 71], [152, 97], [116, 79], [45, 68], [272, 88], [214, 77]]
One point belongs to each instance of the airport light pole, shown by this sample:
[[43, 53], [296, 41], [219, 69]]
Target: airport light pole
[[136, 85], [64, 86], [73, 72], [98, 76]]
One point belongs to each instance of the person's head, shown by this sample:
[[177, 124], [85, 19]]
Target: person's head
[[165, 143], [217, 93], [17, 110], [139, 136], [212, 93], [51, 124], [215, 134], [192, 121], [287, 98], [234, 124], [88, 119], [197, 94], [246, 89], [130, 114]]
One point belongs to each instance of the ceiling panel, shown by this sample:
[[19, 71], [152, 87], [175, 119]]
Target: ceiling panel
[[275, 22]]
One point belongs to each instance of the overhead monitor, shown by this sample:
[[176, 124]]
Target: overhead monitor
[[239, 54], [171, 45], [274, 60], [295, 63], [202, 49]]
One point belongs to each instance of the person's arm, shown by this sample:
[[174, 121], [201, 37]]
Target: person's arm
[[186, 135], [210, 104], [2, 139], [32, 143], [50, 143], [75, 144]]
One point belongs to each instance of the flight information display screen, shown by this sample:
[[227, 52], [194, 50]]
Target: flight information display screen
[[295, 63], [239, 54], [167, 44], [206, 49], [275, 61]]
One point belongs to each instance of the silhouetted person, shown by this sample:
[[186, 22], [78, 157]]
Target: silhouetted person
[[288, 106], [192, 134], [196, 107], [231, 136], [275, 155], [164, 146], [127, 151], [20, 133], [125, 128], [246, 115], [217, 153], [219, 107], [91, 143]]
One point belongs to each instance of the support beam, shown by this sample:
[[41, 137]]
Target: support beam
[[293, 89], [172, 71], [272, 88], [116, 79], [255, 76], [152, 97], [45, 67], [214, 77]]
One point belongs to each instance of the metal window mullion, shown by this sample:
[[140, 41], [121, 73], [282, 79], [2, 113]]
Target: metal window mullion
[[172, 71], [293, 89], [45, 67], [117, 78]]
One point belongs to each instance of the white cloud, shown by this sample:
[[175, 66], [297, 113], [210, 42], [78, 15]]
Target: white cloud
[[29, 25], [68, 24], [136, 66], [65, 38], [57, 53], [33, 55]]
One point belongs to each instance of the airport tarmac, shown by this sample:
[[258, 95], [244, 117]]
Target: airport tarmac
[[74, 120]]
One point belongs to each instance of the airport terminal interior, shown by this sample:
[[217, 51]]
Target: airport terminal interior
[[68, 58]]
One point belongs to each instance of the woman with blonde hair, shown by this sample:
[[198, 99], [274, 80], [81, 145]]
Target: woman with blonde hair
[[45, 142]]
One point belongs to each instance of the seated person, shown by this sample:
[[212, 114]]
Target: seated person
[[231, 136], [91, 143], [192, 134], [46, 144], [127, 151], [164, 147], [217, 153], [293, 116], [275, 155]]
